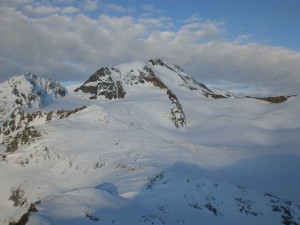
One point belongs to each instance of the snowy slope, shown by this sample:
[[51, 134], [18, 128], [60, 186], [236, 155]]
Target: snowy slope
[[122, 161]]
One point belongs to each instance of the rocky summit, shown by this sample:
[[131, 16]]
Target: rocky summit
[[27, 91]]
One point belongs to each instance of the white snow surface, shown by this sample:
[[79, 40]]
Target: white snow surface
[[237, 161]]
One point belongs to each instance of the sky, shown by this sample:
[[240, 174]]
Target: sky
[[249, 47]]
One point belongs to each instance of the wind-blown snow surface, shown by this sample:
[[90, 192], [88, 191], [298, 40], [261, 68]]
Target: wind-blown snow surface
[[237, 161]]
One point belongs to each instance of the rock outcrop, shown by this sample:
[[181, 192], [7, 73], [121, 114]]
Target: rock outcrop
[[274, 100], [21, 127]]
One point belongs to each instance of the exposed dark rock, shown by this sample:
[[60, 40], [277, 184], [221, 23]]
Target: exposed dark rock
[[275, 100], [152, 181], [26, 136], [245, 206], [201, 85], [98, 74], [157, 62], [105, 85], [17, 197], [111, 89], [149, 76], [211, 208], [91, 216], [88, 89], [178, 116], [17, 130], [25, 217], [164, 64], [217, 96], [284, 208]]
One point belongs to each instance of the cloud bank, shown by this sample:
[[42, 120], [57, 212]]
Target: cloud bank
[[68, 42]]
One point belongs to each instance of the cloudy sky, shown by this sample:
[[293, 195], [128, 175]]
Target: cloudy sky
[[241, 45]]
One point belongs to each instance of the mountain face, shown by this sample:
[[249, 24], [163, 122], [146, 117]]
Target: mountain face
[[115, 82], [28, 91], [145, 143]]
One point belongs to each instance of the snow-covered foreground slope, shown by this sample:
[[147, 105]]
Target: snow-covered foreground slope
[[122, 161]]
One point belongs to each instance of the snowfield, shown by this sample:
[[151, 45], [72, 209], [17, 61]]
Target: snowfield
[[123, 161]]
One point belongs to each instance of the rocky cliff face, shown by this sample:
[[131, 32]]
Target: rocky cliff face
[[102, 83]]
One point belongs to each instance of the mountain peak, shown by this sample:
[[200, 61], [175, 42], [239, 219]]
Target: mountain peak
[[111, 83], [122, 80], [27, 91], [163, 63], [30, 89], [116, 82]]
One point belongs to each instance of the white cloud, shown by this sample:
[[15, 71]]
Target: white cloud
[[72, 47], [243, 38], [150, 22], [194, 32], [117, 8], [151, 8], [63, 1], [90, 5], [69, 9], [194, 18], [41, 10], [148, 7], [16, 2]]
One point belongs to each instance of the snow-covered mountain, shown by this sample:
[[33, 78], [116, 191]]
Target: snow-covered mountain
[[115, 82], [27, 91], [145, 143], [119, 81]]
